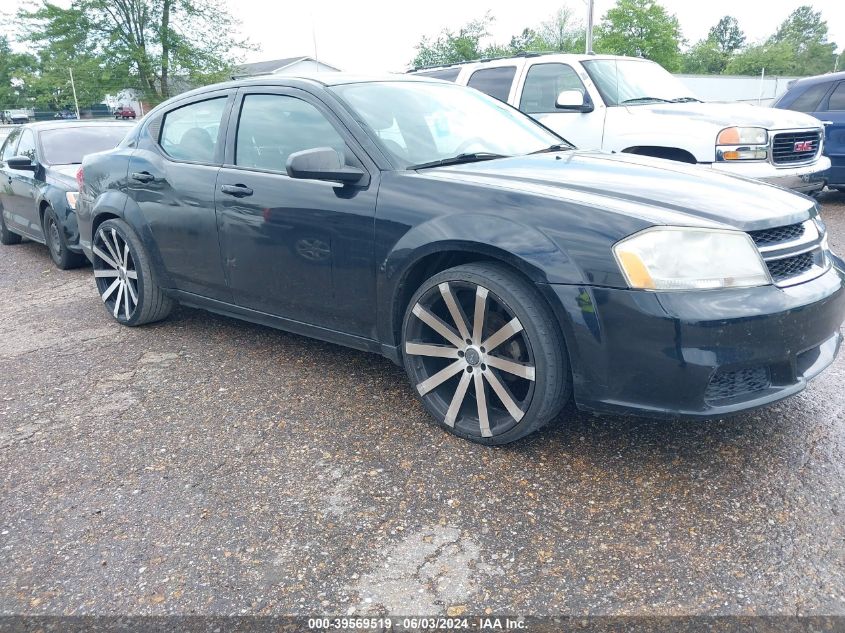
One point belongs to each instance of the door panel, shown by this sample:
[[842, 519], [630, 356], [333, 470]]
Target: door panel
[[175, 194], [834, 137], [22, 216], [299, 249]]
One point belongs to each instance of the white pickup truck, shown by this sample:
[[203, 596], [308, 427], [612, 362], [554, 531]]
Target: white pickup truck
[[626, 104]]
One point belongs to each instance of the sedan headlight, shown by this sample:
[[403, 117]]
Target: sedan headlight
[[677, 258], [71, 197], [742, 143]]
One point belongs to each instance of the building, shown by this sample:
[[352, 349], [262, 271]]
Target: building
[[286, 66]]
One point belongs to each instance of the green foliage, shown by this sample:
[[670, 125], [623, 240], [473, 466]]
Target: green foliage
[[15, 68], [705, 58], [641, 28], [450, 47], [805, 32], [144, 45], [775, 58], [726, 35]]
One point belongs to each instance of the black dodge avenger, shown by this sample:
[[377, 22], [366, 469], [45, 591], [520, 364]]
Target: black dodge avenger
[[507, 271]]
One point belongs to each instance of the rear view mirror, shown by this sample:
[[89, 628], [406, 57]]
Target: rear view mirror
[[322, 163], [23, 163], [573, 100]]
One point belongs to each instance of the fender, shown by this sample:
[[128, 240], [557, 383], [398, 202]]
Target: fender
[[525, 248], [117, 203], [56, 200]]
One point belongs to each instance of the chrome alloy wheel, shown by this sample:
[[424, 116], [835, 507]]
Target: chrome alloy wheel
[[115, 273], [490, 350]]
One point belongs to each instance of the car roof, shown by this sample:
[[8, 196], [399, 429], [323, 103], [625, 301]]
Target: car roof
[[40, 126], [819, 79], [545, 56]]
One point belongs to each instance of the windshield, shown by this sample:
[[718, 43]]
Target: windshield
[[635, 81], [420, 122], [67, 146]]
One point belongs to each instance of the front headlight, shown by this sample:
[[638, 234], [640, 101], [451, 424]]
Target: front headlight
[[71, 197], [678, 258], [742, 143]]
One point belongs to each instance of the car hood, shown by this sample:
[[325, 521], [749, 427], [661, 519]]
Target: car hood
[[63, 176], [659, 191], [724, 115]]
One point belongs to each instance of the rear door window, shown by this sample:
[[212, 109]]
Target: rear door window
[[495, 82], [837, 98], [808, 101], [10, 146], [191, 132]]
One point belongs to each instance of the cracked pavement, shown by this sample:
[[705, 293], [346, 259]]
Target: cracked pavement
[[204, 465]]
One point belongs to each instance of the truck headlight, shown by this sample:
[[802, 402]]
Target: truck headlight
[[742, 143], [678, 258]]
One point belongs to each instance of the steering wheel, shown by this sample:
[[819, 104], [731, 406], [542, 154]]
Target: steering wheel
[[463, 147]]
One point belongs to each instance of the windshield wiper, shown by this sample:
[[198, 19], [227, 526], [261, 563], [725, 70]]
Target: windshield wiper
[[469, 157], [645, 100], [557, 147], [686, 100]]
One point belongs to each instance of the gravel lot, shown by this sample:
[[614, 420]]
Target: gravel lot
[[204, 465]]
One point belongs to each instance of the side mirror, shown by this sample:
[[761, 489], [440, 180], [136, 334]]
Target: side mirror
[[322, 163], [573, 100], [23, 163]]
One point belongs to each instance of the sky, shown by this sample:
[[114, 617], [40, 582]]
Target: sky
[[380, 35]]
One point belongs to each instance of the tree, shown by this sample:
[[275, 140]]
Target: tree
[[450, 47], [705, 58], [14, 70], [562, 33], [140, 42], [641, 28], [726, 35], [806, 33], [775, 58]]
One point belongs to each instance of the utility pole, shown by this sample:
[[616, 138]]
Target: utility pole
[[589, 46], [73, 87]]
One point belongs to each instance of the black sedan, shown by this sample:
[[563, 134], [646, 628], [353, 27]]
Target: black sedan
[[506, 270], [38, 187]]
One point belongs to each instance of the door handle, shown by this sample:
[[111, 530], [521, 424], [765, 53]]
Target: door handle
[[827, 122], [142, 176], [239, 191]]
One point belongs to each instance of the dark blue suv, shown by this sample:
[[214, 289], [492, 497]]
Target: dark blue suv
[[824, 98]]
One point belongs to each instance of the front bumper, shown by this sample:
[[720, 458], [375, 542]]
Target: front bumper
[[698, 354], [806, 178]]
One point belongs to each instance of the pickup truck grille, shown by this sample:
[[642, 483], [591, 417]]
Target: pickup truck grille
[[795, 147], [777, 235]]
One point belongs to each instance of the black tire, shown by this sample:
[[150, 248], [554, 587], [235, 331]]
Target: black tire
[[531, 364], [7, 238], [124, 278], [63, 258]]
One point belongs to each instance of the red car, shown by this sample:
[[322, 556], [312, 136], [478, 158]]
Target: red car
[[124, 112]]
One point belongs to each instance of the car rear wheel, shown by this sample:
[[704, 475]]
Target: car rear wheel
[[124, 278], [484, 353], [57, 245], [7, 238]]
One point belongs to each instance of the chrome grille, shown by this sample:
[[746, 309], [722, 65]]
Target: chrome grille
[[778, 234], [786, 147]]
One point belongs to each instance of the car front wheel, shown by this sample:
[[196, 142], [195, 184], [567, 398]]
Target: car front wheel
[[484, 353], [124, 278]]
